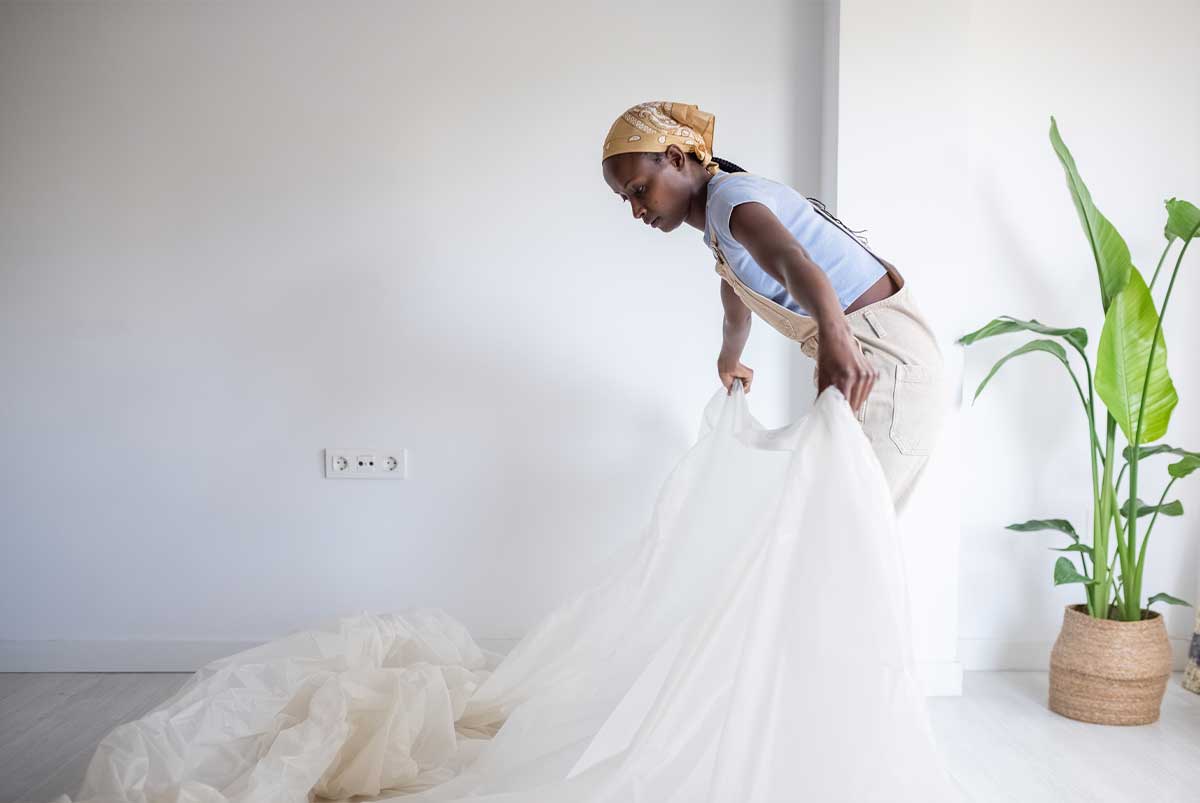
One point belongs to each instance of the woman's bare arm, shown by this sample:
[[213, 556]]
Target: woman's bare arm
[[735, 331], [736, 327], [839, 360], [774, 248]]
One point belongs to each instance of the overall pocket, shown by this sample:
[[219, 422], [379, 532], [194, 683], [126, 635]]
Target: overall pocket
[[916, 409]]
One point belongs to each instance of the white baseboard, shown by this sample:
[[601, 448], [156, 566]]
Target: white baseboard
[[115, 655], [1032, 656], [937, 678], [134, 655]]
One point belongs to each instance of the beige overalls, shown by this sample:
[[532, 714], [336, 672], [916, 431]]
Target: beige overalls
[[903, 413]]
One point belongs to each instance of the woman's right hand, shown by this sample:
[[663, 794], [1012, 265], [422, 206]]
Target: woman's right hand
[[841, 362], [730, 369]]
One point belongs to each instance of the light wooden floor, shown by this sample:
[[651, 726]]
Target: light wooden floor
[[1001, 741]]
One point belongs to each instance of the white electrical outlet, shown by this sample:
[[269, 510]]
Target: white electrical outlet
[[366, 464]]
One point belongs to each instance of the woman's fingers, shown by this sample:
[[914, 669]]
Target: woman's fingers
[[856, 385], [852, 392], [861, 389], [866, 382], [729, 373], [841, 362]]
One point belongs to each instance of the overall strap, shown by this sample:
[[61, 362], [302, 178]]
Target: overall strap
[[820, 207]]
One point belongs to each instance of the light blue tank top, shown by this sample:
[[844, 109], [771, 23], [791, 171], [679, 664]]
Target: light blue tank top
[[850, 267]]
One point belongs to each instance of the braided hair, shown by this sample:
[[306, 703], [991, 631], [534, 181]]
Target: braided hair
[[730, 167]]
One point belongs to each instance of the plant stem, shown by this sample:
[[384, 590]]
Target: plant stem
[[1116, 585], [1131, 520], [1149, 528], [1123, 551], [1135, 582], [1090, 408], [1160, 261], [1093, 447], [1100, 525], [1117, 555]]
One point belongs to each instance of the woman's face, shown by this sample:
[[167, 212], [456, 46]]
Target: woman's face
[[658, 191]]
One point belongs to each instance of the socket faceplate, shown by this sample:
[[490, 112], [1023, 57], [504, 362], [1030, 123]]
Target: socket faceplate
[[366, 464]]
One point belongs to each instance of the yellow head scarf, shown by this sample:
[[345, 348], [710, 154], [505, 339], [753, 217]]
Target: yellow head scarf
[[651, 127]]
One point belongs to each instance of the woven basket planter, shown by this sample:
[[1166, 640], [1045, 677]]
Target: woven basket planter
[[1107, 671]]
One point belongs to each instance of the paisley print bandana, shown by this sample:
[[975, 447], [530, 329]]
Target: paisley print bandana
[[650, 127]]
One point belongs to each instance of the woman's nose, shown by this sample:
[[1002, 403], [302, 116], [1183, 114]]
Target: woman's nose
[[637, 213]]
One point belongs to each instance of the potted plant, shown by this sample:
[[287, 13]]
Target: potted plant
[[1112, 659]]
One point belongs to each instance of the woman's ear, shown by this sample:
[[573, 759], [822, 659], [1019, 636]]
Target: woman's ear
[[675, 156]]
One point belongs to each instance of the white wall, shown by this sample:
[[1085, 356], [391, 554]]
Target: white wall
[[900, 168], [232, 235], [944, 154]]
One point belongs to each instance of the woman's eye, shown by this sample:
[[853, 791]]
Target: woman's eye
[[640, 190]]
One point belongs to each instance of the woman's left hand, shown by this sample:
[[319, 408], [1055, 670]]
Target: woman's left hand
[[840, 362]]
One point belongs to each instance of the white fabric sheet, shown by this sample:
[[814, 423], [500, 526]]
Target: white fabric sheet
[[752, 646]]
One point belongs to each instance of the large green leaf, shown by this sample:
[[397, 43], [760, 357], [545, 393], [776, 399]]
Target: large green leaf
[[1145, 451], [1064, 572], [1182, 220], [1062, 525], [1167, 598], [1180, 468], [1084, 548], [1173, 508], [1121, 358], [1076, 336], [1186, 466], [1109, 250], [1049, 346]]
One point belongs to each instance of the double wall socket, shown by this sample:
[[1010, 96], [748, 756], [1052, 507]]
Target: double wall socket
[[366, 464]]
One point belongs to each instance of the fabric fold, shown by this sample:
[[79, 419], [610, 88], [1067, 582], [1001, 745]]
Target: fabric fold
[[753, 646]]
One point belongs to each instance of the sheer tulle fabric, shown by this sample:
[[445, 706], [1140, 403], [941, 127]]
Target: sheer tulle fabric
[[752, 646]]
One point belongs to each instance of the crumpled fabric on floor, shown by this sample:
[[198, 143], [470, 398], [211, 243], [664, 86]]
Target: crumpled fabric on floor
[[752, 646]]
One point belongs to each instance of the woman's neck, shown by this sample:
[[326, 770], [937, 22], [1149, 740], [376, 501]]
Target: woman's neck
[[699, 203]]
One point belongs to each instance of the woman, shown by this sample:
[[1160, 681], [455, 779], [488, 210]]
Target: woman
[[799, 269]]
